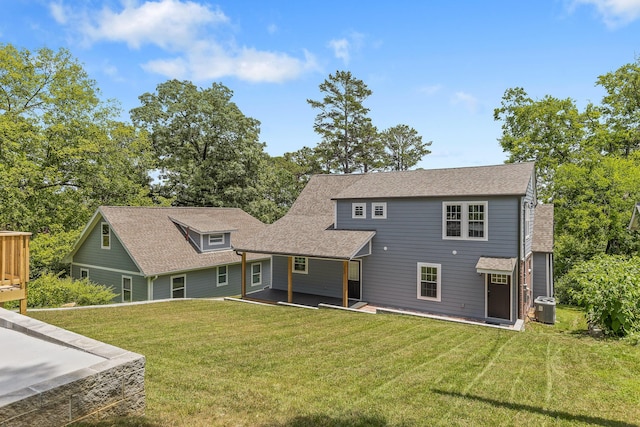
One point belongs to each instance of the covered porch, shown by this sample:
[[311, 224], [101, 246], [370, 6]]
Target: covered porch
[[303, 298], [275, 296], [14, 267]]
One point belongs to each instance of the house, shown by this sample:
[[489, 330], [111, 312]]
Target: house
[[456, 242], [542, 248], [147, 253], [634, 225]]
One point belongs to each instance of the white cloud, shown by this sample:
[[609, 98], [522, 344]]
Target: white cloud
[[272, 28], [614, 13], [58, 13], [169, 24], [195, 37], [344, 48], [340, 49], [467, 100]]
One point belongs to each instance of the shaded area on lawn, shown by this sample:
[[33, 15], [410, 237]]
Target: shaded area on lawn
[[534, 409], [321, 420]]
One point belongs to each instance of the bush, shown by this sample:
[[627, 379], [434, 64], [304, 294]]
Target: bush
[[608, 288], [50, 290]]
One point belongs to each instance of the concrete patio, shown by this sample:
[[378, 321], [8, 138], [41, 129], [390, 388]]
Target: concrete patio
[[51, 376]]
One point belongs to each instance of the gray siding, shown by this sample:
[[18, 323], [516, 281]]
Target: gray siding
[[207, 247], [90, 253], [324, 277], [202, 283], [529, 199], [113, 280], [541, 270], [201, 241], [412, 233]]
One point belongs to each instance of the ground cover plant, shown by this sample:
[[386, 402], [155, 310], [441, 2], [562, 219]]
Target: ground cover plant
[[215, 363]]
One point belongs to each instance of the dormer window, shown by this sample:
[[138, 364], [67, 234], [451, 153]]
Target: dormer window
[[216, 239]]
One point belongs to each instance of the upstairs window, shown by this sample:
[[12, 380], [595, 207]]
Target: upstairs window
[[464, 220], [300, 264], [216, 239], [105, 240], [379, 210], [359, 210]]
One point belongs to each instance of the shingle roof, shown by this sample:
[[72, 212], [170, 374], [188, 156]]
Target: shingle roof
[[490, 264], [543, 229], [305, 229], [157, 246], [506, 179]]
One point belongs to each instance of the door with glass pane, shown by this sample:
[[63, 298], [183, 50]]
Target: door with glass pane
[[354, 279]]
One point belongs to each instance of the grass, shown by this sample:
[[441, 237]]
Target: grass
[[214, 363]]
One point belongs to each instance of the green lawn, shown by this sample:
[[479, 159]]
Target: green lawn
[[227, 363]]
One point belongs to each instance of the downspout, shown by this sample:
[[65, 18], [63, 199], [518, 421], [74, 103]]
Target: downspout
[[521, 248], [150, 287]]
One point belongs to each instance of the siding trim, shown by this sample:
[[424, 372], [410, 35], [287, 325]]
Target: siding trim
[[115, 270]]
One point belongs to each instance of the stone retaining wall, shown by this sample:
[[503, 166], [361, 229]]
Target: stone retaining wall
[[112, 387]]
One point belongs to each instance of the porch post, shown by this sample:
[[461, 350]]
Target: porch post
[[243, 275], [345, 283], [290, 280]]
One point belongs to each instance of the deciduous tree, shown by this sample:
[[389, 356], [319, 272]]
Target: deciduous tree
[[62, 150], [208, 151], [404, 147]]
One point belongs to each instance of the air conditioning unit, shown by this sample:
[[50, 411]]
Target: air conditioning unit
[[545, 308]]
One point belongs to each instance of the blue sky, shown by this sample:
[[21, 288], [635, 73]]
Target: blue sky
[[440, 67]]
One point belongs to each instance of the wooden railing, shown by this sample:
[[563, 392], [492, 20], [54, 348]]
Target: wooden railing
[[14, 267]]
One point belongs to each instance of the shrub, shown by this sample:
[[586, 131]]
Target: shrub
[[608, 288], [50, 290]]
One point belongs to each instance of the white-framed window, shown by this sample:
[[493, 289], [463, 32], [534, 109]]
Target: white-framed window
[[105, 235], [127, 289], [527, 221], [379, 210], [358, 210], [300, 265], [216, 239], [465, 220], [84, 273], [178, 286], [222, 275], [256, 274], [499, 279], [429, 280]]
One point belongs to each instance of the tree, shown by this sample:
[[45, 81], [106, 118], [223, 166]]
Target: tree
[[621, 108], [62, 151], [342, 122], [208, 151], [549, 131], [404, 147], [593, 204]]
